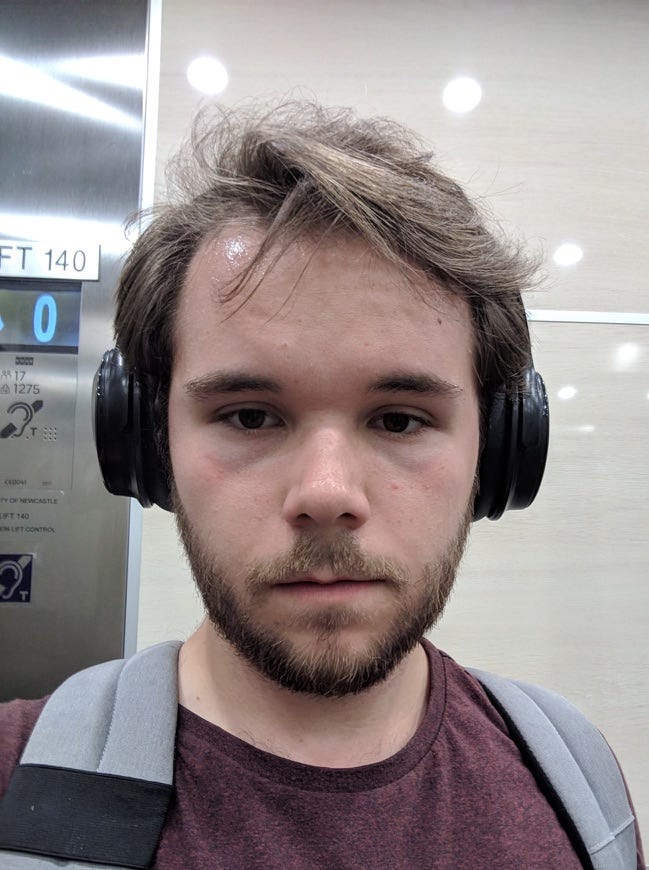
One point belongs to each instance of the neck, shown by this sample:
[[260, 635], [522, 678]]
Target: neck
[[221, 687]]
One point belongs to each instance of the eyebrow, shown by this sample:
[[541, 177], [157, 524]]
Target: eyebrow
[[229, 382], [407, 382]]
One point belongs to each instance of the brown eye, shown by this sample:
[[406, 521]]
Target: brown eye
[[399, 423], [251, 418], [396, 422]]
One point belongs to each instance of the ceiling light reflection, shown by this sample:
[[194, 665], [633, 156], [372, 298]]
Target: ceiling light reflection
[[626, 356], [208, 75], [21, 81], [567, 392], [567, 254], [462, 94]]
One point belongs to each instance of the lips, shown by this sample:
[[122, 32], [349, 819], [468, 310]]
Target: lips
[[323, 581], [327, 589]]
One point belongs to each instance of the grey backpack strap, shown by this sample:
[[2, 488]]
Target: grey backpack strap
[[575, 767], [105, 739]]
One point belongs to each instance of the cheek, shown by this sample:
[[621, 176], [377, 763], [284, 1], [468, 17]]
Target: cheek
[[216, 497], [196, 479], [427, 508]]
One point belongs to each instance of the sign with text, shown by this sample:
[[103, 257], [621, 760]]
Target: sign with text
[[61, 260], [37, 415]]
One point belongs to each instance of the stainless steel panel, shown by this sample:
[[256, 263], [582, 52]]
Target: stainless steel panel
[[71, 145]]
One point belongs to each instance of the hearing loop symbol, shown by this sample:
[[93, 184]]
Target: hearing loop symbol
[[24, 410], [13, 570]]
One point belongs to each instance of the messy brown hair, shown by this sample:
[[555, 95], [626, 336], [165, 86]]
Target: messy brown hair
[[304, 170]]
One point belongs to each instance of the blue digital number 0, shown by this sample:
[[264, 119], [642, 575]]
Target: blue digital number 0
[[45, 318]]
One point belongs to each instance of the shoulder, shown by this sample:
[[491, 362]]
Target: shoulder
[[506, 700], [519, 708], [17, 719], [148, 686], [466, 702]]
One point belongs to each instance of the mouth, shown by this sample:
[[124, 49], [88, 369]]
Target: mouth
[[327, 587], [323, 580]]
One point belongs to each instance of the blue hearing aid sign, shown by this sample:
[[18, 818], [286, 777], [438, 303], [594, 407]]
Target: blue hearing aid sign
[[15, 578]]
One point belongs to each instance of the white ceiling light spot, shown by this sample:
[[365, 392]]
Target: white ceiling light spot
[[567, 393], [567, 254], [626, 356], [462, 94], [587, 427], [208, 75]]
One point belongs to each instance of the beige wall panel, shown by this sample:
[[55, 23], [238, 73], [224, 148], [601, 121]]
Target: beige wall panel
[[170, 607]]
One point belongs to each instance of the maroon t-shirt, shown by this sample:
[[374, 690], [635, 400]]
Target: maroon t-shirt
[[456, 796]]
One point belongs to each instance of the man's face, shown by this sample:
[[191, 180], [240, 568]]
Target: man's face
[[324, 442]]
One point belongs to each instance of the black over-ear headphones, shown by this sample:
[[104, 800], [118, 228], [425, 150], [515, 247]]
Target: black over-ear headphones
[[125, 429], [511, 463]]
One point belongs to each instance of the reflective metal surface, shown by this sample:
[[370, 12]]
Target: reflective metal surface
[[72, 80]]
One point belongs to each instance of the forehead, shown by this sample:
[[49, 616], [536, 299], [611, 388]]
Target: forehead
[[325, 297]]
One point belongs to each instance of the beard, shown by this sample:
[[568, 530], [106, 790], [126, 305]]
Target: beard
[[323, 666]]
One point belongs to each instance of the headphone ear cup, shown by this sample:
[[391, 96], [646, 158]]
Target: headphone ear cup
[[515, 450], [125, 432]]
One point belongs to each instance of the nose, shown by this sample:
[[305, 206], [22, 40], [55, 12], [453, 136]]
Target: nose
[[325, 485]]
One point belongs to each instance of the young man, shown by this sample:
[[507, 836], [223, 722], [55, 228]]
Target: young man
[[327, 319]]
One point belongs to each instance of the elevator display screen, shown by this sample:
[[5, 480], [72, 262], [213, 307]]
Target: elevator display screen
[[41, 317]]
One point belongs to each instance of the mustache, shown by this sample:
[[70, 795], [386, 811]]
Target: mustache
[[342, 555]]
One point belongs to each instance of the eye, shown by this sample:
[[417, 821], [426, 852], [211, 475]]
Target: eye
[[249, 419], [398, 422]]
